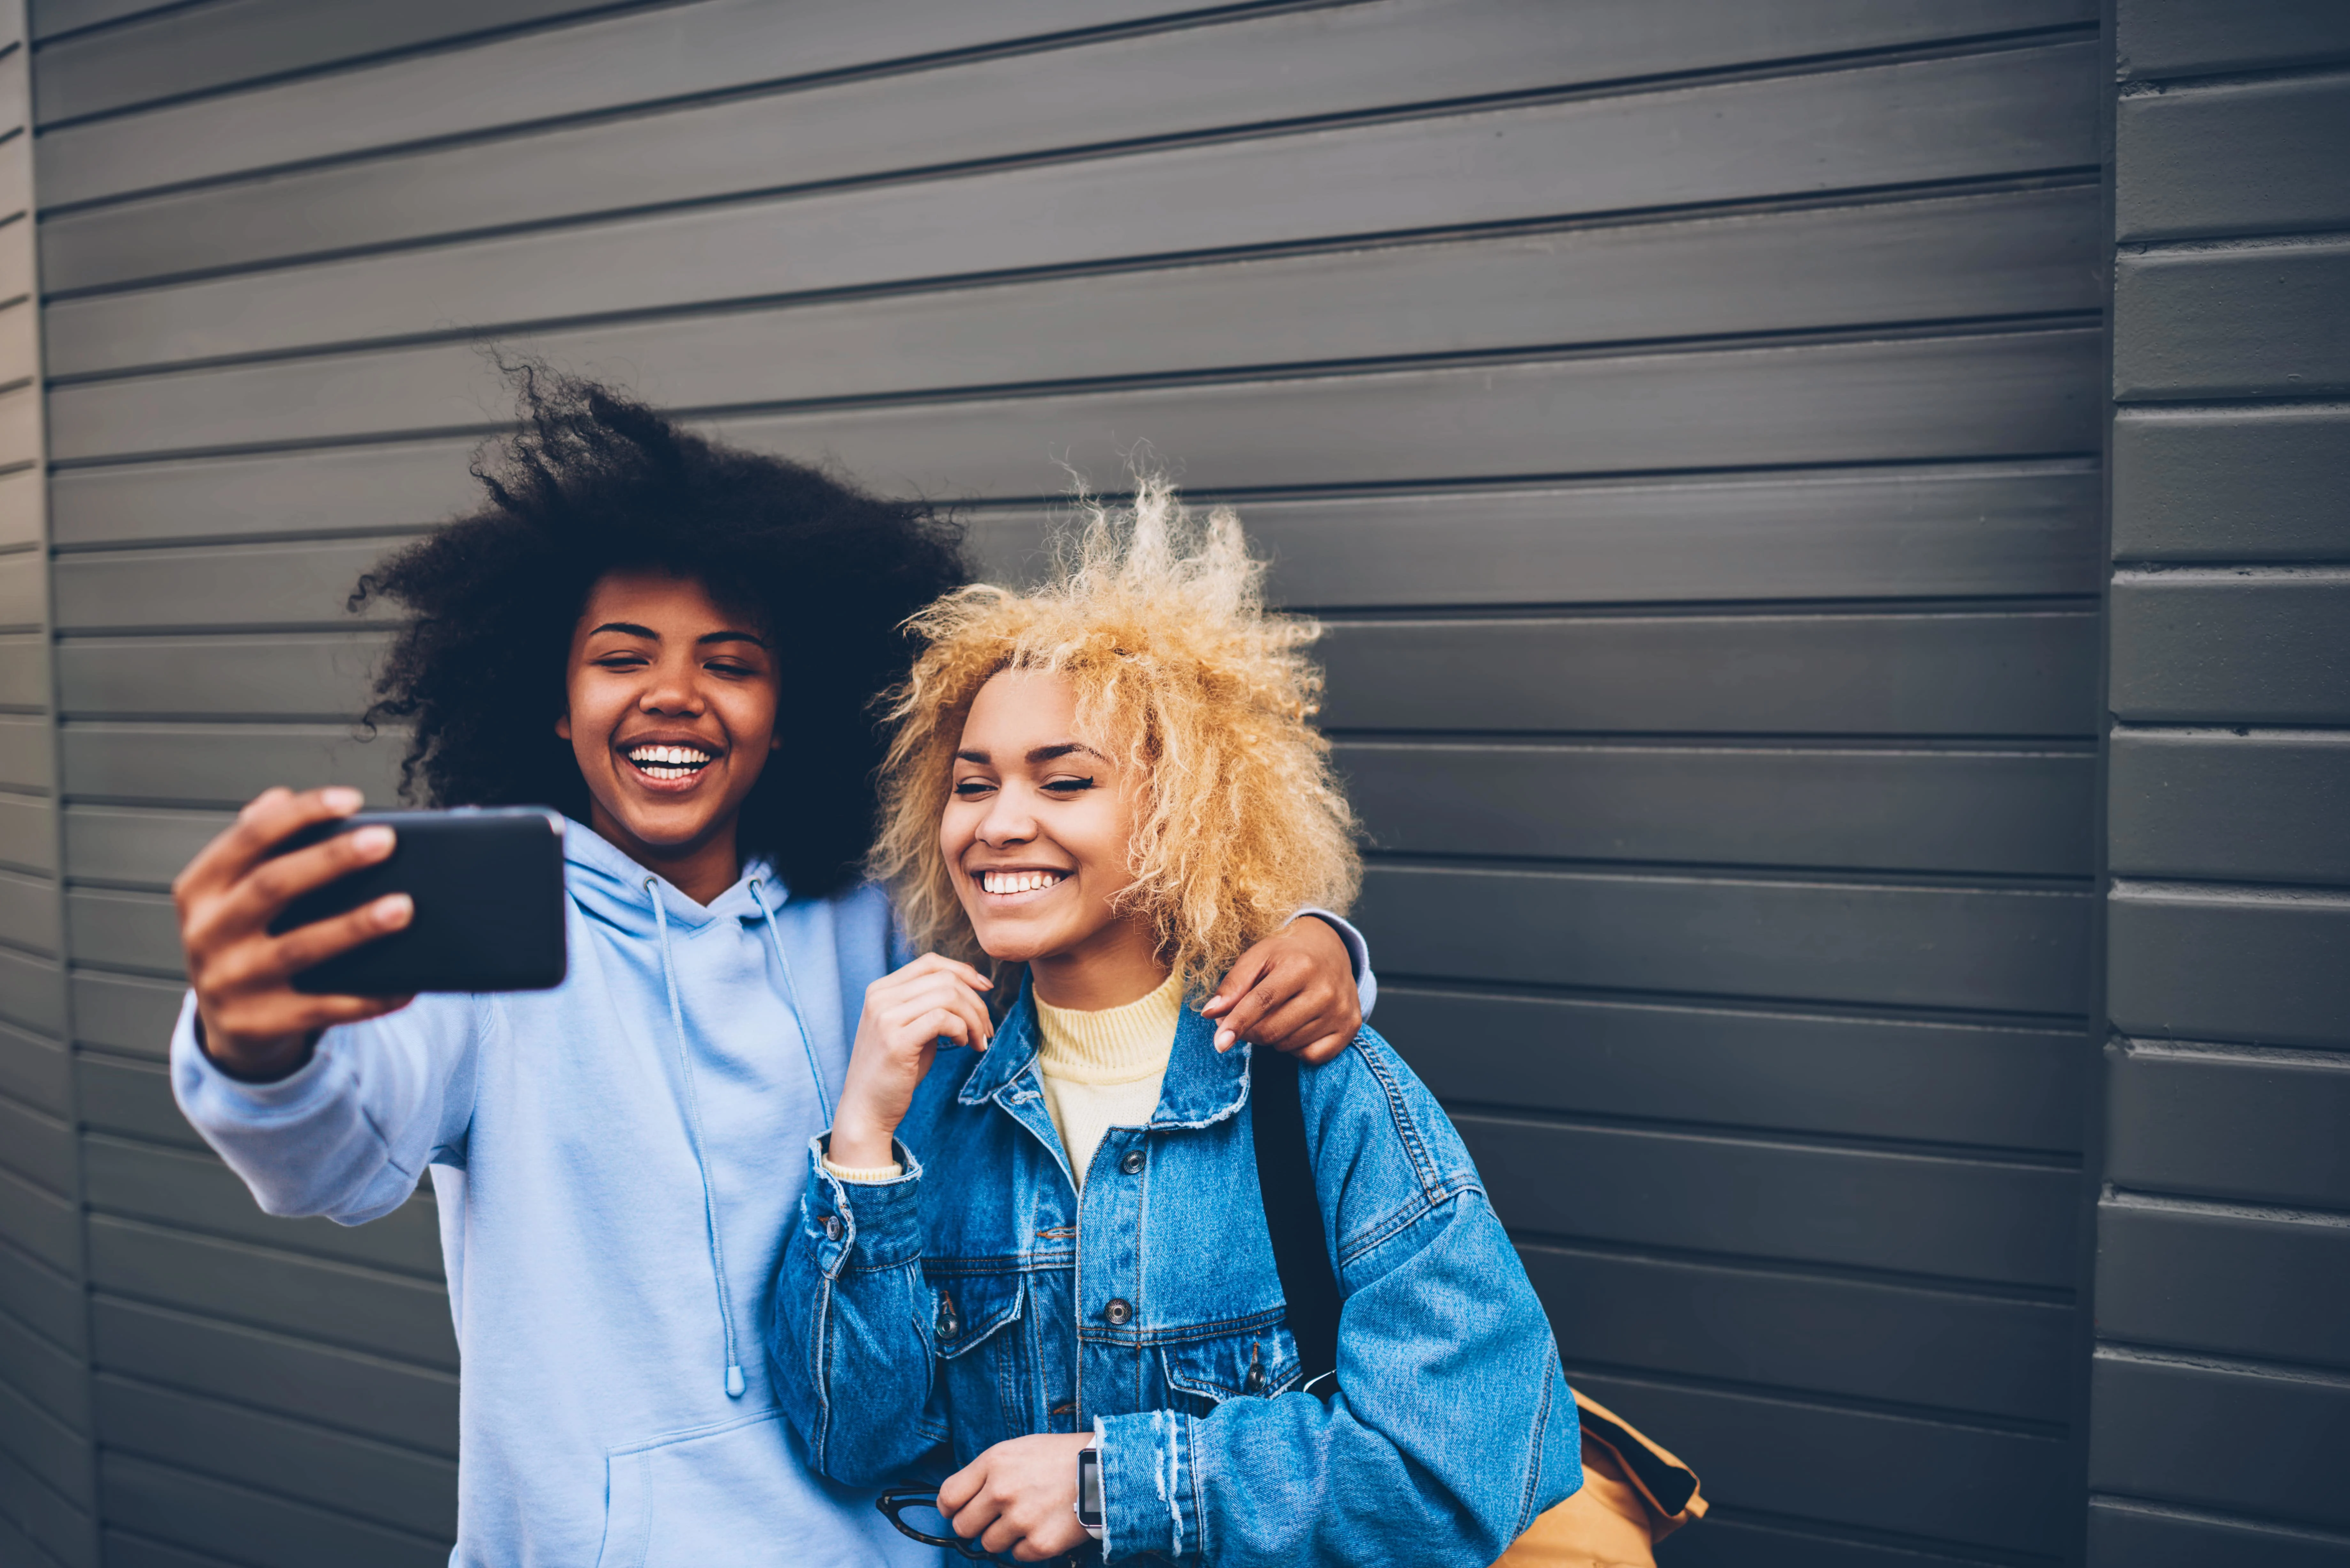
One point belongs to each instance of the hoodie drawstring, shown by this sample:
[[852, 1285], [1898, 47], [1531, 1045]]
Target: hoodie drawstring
[[792, 994], [693, 1130]]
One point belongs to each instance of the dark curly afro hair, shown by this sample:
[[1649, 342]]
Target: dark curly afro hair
[[594, 481]]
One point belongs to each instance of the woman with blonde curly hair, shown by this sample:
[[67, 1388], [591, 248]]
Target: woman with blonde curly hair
[[1041, 1243]]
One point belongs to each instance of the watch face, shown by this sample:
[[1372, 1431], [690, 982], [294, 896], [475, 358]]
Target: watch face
[[1090, 1498]]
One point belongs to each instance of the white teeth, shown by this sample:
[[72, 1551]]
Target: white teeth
[[670, 762], [1018, 882]]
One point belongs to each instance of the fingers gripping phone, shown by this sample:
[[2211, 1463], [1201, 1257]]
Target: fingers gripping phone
[[488, 888]]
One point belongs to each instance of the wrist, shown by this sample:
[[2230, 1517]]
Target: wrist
[[255, 1060], [859, 1142]]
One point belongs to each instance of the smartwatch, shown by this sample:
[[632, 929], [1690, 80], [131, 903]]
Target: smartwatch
[[1089, 1490]]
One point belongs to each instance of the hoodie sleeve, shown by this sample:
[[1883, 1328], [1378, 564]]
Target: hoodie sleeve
[[349, 1134]]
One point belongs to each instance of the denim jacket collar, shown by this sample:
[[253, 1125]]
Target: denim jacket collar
[[1202, 1086]]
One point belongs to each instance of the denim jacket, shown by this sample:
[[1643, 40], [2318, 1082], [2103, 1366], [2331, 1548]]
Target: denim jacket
[[978, 1298]]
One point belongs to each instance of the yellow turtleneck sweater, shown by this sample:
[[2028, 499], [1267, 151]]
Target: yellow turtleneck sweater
[[1101, 1070]]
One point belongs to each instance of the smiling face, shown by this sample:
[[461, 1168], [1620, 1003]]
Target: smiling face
[[1037, 827], [671, 712]]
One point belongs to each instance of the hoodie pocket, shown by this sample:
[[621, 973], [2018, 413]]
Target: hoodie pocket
[[668, 1500]]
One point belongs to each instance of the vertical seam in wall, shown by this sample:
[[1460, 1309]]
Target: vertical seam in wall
[[2094, 1116]]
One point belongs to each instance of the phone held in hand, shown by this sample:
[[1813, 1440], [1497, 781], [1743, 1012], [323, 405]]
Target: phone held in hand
[[488, 886]]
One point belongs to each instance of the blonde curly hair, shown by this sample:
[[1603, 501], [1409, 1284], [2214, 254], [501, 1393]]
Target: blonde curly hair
[[1157, 619]]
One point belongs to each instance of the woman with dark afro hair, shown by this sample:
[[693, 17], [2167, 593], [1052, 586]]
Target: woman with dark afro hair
[[677, 644]]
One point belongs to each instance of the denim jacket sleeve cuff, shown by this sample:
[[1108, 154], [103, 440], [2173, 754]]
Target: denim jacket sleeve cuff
[[1150, 1485], [859, 1225]]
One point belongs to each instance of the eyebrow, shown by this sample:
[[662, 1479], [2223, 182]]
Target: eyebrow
[[630, 629], [1041, 754]]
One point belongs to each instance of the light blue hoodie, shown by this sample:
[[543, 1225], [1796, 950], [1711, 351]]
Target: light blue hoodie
[[618, 1162], [604, 1279]]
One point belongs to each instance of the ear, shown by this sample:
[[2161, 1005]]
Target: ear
[[563, 723]]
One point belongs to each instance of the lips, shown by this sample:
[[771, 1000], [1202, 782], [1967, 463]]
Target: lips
[[669, 762]]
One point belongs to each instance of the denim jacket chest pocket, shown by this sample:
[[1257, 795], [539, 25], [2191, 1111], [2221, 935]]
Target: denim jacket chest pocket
[[1252, 1362], [985, 1359]]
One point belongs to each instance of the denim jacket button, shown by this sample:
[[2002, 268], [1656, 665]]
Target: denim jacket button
[[832, 1227], [1118, 1311], [948, 1324], [1132, 1163], [1254, 1382]]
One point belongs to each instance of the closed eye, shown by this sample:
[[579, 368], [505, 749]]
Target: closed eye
[[1068, 786]]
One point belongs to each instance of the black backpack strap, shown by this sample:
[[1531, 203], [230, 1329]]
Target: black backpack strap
[[1293, 1212]]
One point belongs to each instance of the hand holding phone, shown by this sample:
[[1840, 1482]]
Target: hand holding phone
[[252, 1022], [259, 1011]]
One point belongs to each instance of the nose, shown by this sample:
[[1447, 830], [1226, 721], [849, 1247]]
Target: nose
[[673, 690], [1008, 821]]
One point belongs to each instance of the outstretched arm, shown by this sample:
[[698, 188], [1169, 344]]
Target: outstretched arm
[[322, 1104]]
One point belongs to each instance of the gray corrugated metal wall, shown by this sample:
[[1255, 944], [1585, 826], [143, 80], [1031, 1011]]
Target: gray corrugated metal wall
[[1687, 414], [48, 1493], [2222, 1409]]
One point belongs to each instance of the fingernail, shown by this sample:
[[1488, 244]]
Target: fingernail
[[342, 798], [1224, 1038], [393, 909], [376, 840]]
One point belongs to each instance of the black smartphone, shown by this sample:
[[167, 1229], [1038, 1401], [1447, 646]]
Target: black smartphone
[[488, 886]]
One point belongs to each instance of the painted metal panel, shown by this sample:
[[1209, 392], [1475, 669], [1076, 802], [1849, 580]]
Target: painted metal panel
[[2233, 322], [165, 1187], [1993, 1487], [2230, 1123], [340, 1303], [1313, 62], [224, 765], [2201, 1277], [2230, 805], [132, 1099], [673, 52], [2255, 483], [2232, 158], [2018, 813], [356, 1476], [2186, 38], [2195, 963], [1951, 1217], [36, 1146], [1964, 117], [125, 1012], [2154, 1422], [48, 1374], [2239, 646], [263, 1529], [1864, 1338], [2014, 951], [34, 1071], [368, 1394], [2012, 254], [36, 1295], [2145, 1537], [174, 56]]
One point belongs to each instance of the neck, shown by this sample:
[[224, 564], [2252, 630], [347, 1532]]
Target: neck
[[701, 869], [1117, 965]]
